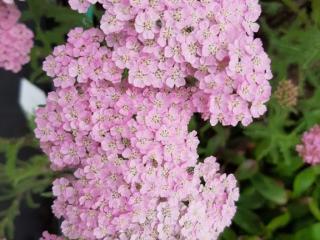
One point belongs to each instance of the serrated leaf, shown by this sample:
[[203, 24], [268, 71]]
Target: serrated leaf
[[289, 169], [34, 167], [264, 148], [11, 157]]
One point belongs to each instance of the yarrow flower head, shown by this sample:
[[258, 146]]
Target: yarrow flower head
[[16, 40], [136, 172], [165, 42], [309, 149]]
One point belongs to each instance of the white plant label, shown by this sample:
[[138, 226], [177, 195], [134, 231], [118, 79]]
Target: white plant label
[[30, 97]]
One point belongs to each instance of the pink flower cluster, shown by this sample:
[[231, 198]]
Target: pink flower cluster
[[167, 43], [9, 1], [309, 149], [135, 167], [48, 236], [83, 58], [16, 40]]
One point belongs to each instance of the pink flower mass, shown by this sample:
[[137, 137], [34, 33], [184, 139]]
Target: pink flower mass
[[136, 172], [48, 236], [16, 40], [163, 43], [309, 149], [118, 119]]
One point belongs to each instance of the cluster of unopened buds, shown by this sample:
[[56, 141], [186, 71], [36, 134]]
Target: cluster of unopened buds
[[119, 116], [16, 40]]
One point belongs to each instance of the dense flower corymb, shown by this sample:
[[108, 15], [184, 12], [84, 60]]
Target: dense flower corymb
[[309, 149], [82, 59], [103, 204], [136, 173], [165, 43], [16, 40]]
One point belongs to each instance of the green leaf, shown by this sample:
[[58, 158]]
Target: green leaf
[[263, 148], [246, 170], [271, 7], [289, 169], [217, 141], [303, 181], [192, 124], [279, 222], [251, 199], [316, 11], [298, 209], [30, 201], [204, 129], [250, 238], [269, 189], [248, 221], [11, 157], [316, 169], [35, 166], [309, 233], [213, 144], [228, 234], [47, 194], [314, 208]]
